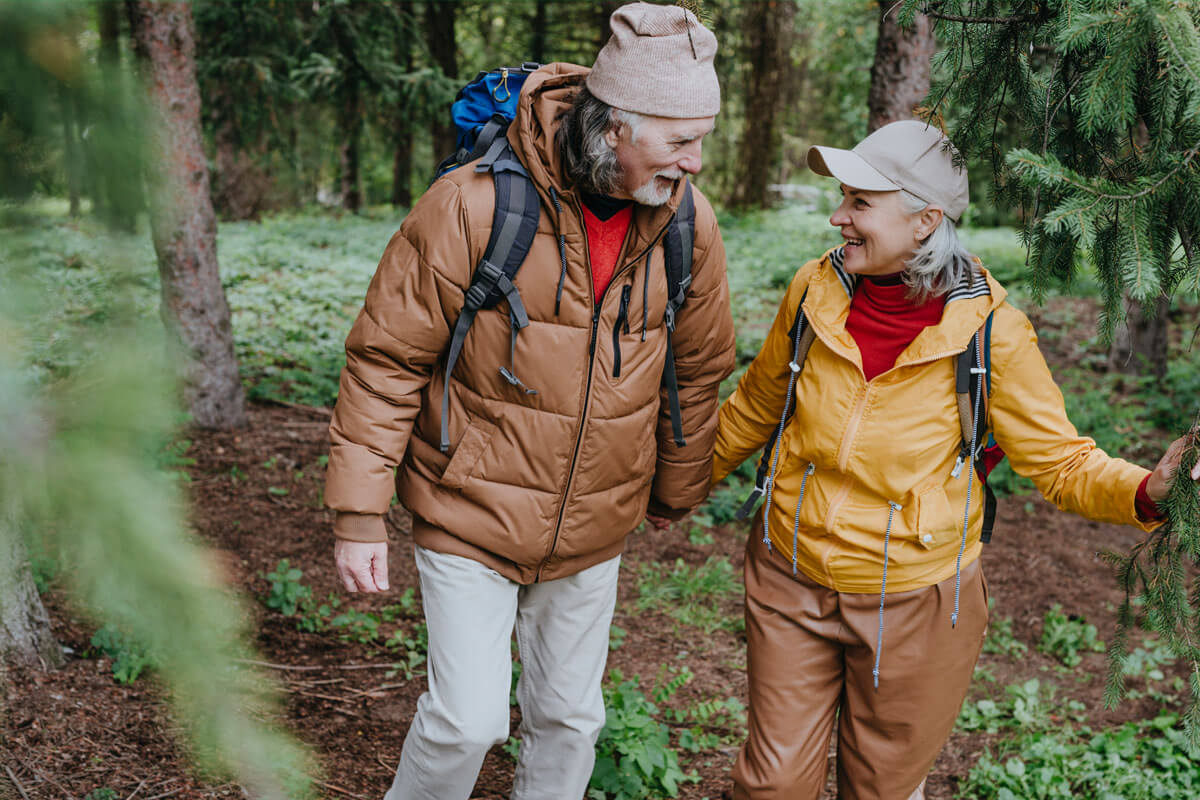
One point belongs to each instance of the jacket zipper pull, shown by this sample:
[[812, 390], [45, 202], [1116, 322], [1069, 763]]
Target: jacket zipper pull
[[595, 325], [622, 322]]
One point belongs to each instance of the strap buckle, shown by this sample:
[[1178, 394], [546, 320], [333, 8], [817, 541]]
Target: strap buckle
[[487, 276]]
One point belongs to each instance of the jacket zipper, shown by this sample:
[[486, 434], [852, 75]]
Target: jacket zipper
[[622, 322], [844, 458], [587, 392]]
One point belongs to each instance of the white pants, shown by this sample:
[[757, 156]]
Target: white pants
[[562, 633]]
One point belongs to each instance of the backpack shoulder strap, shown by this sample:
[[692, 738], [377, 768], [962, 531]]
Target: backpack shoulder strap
[[514, 223], [972, 388], [678, 241], [801, 336]]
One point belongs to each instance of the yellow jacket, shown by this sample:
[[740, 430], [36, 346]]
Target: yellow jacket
[[894, 439]]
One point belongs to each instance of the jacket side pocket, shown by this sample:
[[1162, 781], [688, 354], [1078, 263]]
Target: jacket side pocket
[[471, 446], [936, 523]]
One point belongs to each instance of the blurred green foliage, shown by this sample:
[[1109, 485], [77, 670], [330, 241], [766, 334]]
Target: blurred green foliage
[[88, 412]]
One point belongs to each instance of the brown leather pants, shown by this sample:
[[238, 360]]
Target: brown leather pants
[[811, 652]]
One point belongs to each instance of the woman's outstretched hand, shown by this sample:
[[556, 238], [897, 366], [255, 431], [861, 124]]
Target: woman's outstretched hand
[[1160, 480]]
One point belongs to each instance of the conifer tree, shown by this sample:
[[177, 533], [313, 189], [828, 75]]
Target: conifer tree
[[1103, 97]]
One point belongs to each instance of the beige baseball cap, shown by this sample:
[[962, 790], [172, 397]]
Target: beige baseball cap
[[658, 62], [910, 155]]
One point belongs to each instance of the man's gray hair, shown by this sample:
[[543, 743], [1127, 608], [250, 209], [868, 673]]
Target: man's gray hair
[[941, 262], [587, 158]]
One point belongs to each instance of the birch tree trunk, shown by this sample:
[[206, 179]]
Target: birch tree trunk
[[194, 309], [900, 74]]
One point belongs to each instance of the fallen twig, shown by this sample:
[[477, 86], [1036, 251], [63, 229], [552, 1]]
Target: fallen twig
[[304, 668], [135, 791], [338, 789], [165, 794], [16, 782], [320, 682], [328, 412], [381, 688], [46, 778]]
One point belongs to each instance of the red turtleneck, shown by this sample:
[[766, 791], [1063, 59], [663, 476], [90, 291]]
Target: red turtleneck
[[884, 321]]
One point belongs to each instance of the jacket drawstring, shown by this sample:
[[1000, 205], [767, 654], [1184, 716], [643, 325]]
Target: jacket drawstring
[[796, 523], [645, 294], [887, 536], [794, 369], [562, 253], [962, 545]]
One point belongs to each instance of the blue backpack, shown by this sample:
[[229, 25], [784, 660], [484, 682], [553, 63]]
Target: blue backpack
[[482, 112]]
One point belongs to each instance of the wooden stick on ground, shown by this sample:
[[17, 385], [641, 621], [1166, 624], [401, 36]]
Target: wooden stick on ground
[[338, 789], [305, 668], [16, 782]]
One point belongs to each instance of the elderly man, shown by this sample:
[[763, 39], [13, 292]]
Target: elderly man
[[520, 519]]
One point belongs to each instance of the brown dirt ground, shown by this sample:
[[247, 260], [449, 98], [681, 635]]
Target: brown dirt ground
[[70, 732]]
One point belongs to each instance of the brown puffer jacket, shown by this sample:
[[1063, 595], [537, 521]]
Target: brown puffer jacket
[[535, 486]]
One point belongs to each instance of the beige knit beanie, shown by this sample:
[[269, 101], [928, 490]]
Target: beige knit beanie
[[658, 61]]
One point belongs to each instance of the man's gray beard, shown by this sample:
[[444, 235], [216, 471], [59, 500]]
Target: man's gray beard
[[648, 194]]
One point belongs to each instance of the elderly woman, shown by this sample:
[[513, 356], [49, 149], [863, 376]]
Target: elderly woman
[[865, 601]]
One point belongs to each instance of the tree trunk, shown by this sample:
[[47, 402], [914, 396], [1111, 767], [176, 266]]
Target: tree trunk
[[604, 10], [25, 635], [402, 127], [71, 150], [194, 310], [900, 74], [402, 166], [109, 24], [439, 36], [350, 124], [1140, 345], [768, 37], [537, 39]]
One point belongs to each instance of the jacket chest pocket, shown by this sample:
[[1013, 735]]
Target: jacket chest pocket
[[936, 522]]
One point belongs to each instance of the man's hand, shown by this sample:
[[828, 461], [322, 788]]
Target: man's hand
[[1160, 480], [362, 566], [661, 523]]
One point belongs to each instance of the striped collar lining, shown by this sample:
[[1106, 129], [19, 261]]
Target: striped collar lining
[[972, 284]]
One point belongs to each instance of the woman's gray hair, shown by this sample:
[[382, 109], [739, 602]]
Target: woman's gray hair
[[941, 262], [588, 160]]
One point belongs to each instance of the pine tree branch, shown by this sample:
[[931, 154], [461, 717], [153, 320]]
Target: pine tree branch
[[1099, 195], [1178, 55], [929, 12]]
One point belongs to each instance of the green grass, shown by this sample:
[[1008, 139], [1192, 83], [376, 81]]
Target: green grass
[[690, 595]]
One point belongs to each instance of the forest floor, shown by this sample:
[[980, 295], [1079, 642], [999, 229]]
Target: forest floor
[[350, 691]]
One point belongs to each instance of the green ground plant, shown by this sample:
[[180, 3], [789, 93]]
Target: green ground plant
[[1065, 637], [634, 758], [1001, 640], [1025, 705], [129, 656], [690, 595], [286, 593], [292, 598], [1145, 760]]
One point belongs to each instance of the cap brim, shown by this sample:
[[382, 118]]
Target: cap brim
[[849, 168]]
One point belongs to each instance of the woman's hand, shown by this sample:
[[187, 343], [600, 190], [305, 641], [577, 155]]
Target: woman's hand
[[1160, 480]]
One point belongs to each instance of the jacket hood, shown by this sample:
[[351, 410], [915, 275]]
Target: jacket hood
[[545, 97]]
